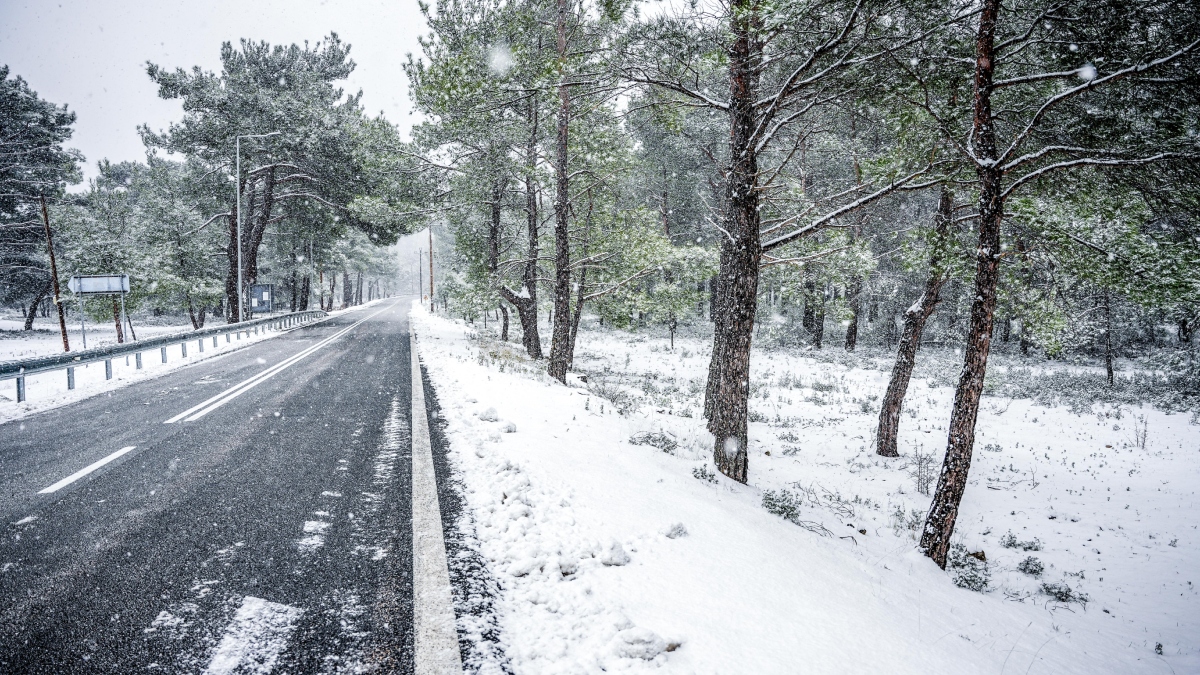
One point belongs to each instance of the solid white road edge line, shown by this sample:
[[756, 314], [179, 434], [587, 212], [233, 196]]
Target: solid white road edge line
[[435, 635], [85, 471], [201, 409]]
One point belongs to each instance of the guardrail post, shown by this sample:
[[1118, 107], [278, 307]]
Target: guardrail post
[[108, 369], [137, 359], [70, 378], [183, 349], [200, 345], [227, 338], [21, 388], [164, 354]]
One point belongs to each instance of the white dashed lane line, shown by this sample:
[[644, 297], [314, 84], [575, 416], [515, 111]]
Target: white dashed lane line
[[85, 471], [200, 410]]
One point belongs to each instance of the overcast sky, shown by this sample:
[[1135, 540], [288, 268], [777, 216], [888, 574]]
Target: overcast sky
[[91, 54]]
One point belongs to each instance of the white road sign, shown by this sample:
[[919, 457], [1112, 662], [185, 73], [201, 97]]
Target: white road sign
[[99, 284]]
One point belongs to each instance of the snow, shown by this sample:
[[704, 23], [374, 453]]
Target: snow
[[713, 582], [254, 641]]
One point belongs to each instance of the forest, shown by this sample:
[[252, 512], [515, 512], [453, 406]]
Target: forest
[[867, 175], [967, 176]]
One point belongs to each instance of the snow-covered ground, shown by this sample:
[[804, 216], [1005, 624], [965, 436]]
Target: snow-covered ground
[[612, 555], [49, 390]]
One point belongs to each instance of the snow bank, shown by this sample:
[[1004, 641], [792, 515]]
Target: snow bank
[[620, 556]]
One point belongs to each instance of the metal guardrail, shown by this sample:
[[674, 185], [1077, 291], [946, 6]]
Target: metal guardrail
[[18, 370]]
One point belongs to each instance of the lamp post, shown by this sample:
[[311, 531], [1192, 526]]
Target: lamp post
[[237, 181]]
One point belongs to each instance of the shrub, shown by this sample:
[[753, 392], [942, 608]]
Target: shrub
[[1031, 566], [1063, 593], [1009, 540], [657, 439], [968, 571]]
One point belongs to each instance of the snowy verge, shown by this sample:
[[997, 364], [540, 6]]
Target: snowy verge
[[620, 556]]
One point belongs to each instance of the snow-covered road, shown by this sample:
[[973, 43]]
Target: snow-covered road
[[266, 529]]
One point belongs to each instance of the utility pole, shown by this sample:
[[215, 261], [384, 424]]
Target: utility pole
[[420, 271], [431, 306], [62, 319]]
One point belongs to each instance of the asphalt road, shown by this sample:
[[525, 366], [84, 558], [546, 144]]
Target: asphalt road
[[272, 533]]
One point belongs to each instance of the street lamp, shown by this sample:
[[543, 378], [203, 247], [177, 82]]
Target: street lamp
[[237, 180]]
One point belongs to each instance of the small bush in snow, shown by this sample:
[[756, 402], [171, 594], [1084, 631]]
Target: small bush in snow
[[702, 473], [920, 467], [1031, 566], [783, 503], [992, 447], [786, 504], [658, 439], [968, 571], [676, 531], [1009, 540], [1064, 593]]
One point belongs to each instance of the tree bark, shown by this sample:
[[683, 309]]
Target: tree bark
[[1108, 350], [258, 227], [943, 512], [117, 319], [37, 299], [62, 319], [347, 290], [232, 306], [232, 292], [192, 312], [305, 291], [853, 296], [809, 320], [560, 347], [526, 302], [818, 329], [740, 253], [914, 325], [503, 323]]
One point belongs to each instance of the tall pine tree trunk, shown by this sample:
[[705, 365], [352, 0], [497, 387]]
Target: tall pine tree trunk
[[914, 325], [37, 299], [818, 328], [232, 306], [943, 512], [854, 299], [526, 301], [117, 319], [560, 345], [1108, 349], [740, 254]]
